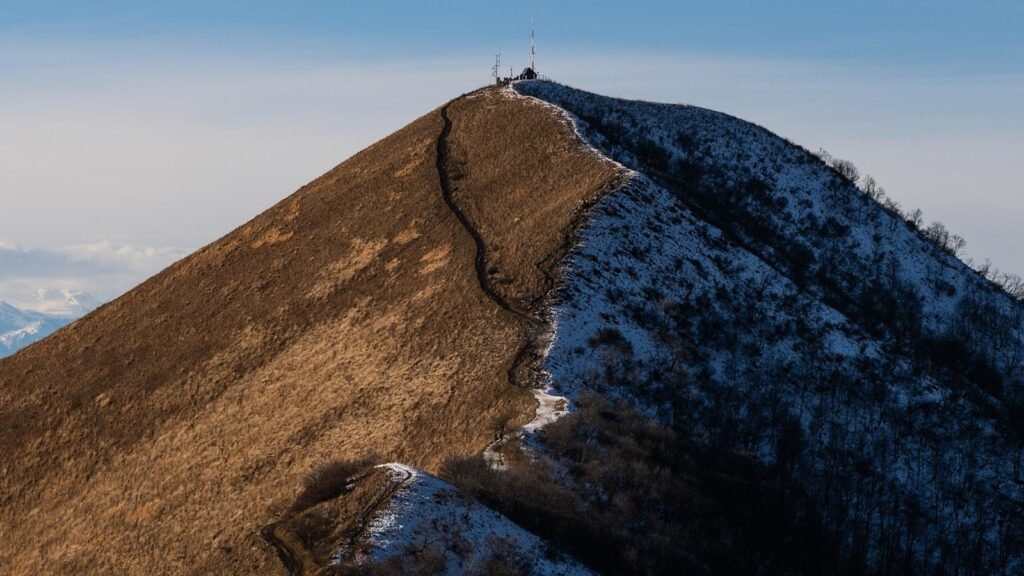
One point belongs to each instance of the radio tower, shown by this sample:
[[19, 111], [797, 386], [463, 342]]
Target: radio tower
[[533, 48], [497, 66]]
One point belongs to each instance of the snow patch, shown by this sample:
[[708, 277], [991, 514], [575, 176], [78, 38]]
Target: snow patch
[[54, 310], [425, 511]]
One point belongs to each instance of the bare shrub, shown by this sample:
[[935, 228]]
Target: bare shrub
[[506, 559], [847, 170]]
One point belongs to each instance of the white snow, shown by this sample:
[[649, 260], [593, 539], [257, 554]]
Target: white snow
[[549, 409], [54, 310], [763, 349], [426, 511]]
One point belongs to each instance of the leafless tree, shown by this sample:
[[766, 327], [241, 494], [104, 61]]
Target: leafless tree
[[824, 155], [957, 245], [916, 218], [939, 234], [869, 185], [847, 169]]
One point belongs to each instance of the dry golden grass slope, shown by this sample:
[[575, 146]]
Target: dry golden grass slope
[[159, 434]]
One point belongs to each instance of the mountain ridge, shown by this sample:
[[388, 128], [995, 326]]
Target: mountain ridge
[[905, 332], [346, 320], [766, 368]]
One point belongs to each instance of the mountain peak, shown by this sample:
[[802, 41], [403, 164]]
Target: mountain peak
[[743, 363], [397, 297]]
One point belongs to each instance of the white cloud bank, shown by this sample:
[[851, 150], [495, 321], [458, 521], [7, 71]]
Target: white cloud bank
[[104, 269]]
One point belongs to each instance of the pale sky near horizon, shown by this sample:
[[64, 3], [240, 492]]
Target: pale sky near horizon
[[131, 135]]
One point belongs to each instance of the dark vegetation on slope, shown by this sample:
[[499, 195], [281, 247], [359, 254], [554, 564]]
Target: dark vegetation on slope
[[330, 516], [909, 447], [936, 232], [611, 487], [625, 495], [971, 346]]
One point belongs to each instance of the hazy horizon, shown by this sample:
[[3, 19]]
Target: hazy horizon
[[134, 135]]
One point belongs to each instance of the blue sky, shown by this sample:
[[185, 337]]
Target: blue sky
[[981, 36], [140, 131]]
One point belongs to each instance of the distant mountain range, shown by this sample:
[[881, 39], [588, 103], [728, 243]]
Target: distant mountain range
[[53, 310]]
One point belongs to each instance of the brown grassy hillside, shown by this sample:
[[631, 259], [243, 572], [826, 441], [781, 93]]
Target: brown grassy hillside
[[516, 223], [159, 434]]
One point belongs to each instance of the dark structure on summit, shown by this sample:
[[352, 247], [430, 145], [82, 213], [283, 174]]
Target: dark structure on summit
[[528, 73]]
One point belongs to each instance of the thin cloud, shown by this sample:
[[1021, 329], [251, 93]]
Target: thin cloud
[[104, 269]]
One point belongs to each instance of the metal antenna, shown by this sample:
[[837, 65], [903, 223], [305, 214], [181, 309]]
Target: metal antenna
[[533, 48], [497, 65]]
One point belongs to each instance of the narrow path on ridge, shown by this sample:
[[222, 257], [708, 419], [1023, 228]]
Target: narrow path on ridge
[[293, 555], [447, 192], [531, 325], [549, 407], [405, 477]]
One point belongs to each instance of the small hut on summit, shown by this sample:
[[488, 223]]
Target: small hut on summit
[[528, 74]]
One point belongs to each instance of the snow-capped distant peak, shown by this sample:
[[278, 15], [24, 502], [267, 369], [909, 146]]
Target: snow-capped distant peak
[[52, 310]]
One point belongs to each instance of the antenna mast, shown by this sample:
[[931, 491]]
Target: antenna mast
[[533, 48], [497, 66]]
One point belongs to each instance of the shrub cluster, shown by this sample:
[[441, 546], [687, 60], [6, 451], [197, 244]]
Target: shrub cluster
[[627, 496]]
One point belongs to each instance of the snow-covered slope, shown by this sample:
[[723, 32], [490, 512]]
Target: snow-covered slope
[[468, 538], [813, 329], [53, 310]]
